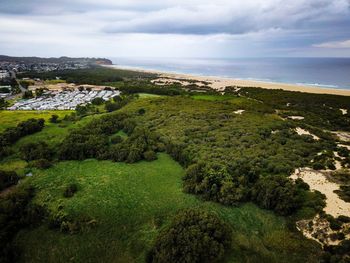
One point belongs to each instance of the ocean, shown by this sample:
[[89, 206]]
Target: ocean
[[322, 72]]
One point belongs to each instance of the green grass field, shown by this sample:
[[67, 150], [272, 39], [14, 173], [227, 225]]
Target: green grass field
[[131, 204], [12, 118]]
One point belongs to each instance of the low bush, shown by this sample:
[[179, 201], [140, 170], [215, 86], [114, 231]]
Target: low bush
[[54, 118], [150, 156], [41, 164], [35, 151], [70, 190], [7, 178], [97, 101]]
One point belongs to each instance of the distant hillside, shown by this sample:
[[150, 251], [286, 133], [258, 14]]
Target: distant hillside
[[101, 61]]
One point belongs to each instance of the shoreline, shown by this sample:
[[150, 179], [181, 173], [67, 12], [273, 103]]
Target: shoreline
[[219, 83]]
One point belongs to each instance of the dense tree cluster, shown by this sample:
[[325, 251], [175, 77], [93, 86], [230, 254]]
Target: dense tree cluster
[[319, 110], [277, 193], [3, 103], [194, 236], [132, 87], [337, 254], [93, 76], [16, 213], [95, 140], [213, 182], [11, 135], [140, 145], [7, 178], [226, 156], [4, 90]]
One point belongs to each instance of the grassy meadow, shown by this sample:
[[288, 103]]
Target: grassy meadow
[[131, 203]]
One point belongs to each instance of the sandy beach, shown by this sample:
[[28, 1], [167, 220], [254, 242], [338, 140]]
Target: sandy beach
[[219, 83]]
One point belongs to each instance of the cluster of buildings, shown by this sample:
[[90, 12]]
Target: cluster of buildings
[[63, 100], [4, 74], [5, 91], [39, 67]]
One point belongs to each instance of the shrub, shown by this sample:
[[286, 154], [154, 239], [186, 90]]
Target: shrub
[[277, 193], [16, 213], [11, 135], [70, 190], [344, 219], [150, 156], [112, 106], [194, 236], [28, 95], [97, 101], [54, 118], [8, 178], [334, 224], [318, 166], [141, 111], [116, 139], [35, 151], [41, 164]]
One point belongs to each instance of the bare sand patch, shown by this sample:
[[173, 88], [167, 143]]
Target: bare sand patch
[[343, 136], [319, 230], [344, 111], [301, 131], [299, 118], [318, 181], [169, 81], [345, 146], [239, 112]]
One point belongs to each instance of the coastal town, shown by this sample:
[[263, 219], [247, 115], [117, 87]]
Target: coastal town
[[36, 94]]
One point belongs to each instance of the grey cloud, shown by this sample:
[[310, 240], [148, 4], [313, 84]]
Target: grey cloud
[[218, 26]]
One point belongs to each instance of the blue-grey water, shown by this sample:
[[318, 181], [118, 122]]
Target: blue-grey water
[[323, 72]]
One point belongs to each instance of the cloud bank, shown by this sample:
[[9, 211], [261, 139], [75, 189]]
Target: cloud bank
[[175, 28]]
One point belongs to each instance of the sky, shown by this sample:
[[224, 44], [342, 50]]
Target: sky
[[175, 28]]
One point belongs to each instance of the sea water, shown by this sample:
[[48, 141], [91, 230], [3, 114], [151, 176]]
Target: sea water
[[322, 72]]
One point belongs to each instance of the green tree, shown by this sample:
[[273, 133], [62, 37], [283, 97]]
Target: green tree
[[195, 236]]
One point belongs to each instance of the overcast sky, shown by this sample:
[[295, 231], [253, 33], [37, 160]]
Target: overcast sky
[[175, 28]]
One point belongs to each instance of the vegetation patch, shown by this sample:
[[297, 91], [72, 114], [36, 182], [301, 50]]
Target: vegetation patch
[[193, 236]]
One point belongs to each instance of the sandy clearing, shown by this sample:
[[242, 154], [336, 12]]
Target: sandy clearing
[[345, 146], [301, 131], [167, 81], [299, 118], [318, 181], [240, 112], [319, 230], [343, 136], [344, 111]]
